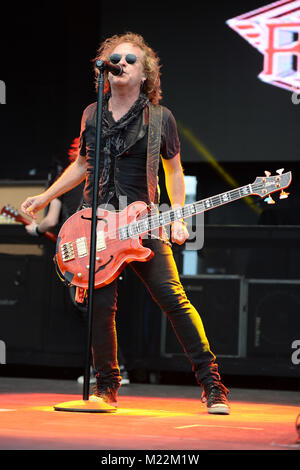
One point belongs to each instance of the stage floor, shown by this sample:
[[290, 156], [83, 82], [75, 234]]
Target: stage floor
[[149, 417]]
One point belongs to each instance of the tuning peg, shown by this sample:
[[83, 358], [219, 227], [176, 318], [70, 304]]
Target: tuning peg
[[280, 171], [284, 195], [267, 173], [269, 200]]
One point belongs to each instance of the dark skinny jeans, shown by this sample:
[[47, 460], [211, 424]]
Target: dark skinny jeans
[[161, 277]]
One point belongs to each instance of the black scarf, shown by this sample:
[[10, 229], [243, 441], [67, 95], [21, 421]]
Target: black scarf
[[113, 140]]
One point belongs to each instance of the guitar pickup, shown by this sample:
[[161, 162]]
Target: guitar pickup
[[67, 251], [81, 247], [100, 244]]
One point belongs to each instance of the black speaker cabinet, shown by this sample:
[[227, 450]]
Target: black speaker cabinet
[[39, 323], [21, 303], [273, 317], [220, 301], [65, 325]]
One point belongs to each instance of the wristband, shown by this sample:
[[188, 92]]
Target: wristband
[[37, 232]]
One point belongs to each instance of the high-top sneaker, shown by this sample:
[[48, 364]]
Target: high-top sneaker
[[105, 393], [215, 396]]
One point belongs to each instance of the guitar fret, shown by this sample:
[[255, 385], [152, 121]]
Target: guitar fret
[[215, 201], [123, 233], [143, 225], [199, 206], [172, 216], [132, 229], [166, 217], [188, 210], [154, 222], [178, 213], [234, 195]]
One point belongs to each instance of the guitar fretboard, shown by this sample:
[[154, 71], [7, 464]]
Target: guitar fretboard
[[165, 218]]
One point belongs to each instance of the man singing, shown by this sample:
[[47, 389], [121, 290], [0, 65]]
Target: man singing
[[132, 117]]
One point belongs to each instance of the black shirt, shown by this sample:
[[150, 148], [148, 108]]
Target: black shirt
[[128, 179]]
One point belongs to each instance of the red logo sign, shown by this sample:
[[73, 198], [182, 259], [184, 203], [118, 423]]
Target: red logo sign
[[275, 31]]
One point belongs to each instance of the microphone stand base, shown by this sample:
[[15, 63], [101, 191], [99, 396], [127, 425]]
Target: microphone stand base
[[86, 406]]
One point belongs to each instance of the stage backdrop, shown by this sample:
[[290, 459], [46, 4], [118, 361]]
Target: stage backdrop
[[209, 77]]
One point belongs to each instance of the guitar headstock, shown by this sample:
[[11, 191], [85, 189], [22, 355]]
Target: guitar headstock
[[265, 185], [10, 212]]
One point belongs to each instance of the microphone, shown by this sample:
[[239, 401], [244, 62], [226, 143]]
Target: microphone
[[114, 69]]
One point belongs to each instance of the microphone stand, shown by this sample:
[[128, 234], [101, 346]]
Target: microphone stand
[[85, 404]]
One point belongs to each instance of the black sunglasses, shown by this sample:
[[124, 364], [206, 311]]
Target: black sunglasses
[[130, 58]]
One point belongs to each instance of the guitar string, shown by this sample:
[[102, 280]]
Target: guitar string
[[156, 219]]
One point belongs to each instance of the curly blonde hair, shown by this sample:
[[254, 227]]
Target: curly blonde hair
[[152, 84]]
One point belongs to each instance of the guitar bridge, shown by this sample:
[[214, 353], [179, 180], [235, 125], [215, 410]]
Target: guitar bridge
[[67, 251]]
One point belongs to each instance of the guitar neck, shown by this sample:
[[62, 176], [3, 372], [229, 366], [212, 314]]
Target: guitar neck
[[208, 203], [14, 215], [51, 236], [152, 222]]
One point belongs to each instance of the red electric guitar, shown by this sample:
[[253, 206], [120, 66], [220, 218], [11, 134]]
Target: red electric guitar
[[12, 214], [119, 234]]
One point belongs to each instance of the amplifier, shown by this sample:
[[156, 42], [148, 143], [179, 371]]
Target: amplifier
[[21, 302], [39, 324], [273, 317], [221, 303]]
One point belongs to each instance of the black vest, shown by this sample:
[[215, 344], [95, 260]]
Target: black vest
[[150, 119]]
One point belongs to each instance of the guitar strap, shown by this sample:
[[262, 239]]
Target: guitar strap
[[153, 157], [153, 151]]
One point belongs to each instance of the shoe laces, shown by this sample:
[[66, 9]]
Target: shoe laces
[[214, 392]]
